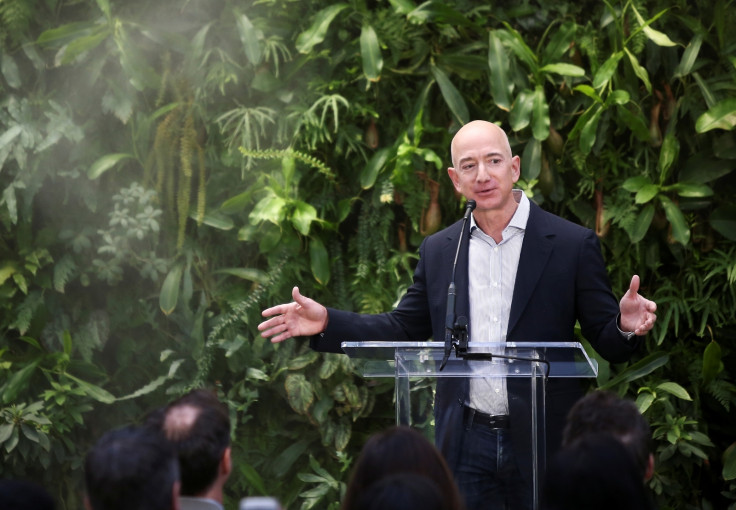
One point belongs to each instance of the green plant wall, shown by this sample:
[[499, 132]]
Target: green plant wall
[[170, 169]]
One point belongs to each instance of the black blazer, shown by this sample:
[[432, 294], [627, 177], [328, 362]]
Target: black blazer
[[561, 279]]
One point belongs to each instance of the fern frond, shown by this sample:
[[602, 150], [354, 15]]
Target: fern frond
[[63, 269], [298, 155]]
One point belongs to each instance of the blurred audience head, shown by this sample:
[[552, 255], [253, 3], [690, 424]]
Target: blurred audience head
[[593, 472], [198, 426], [131, 468], [603, 411], [401, 491], [397, 450], [24, 495]]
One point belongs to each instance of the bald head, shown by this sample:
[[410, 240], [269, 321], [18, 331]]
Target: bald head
[[198, 425], [475, 131]]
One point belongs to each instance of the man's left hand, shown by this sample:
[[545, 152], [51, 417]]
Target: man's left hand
[[637, 312]]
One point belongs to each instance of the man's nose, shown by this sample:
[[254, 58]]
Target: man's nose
[[483, 173]]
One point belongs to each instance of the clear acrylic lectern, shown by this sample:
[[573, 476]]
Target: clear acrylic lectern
[[531, 363]]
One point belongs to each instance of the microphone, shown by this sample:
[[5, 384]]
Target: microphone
[[451, 293]]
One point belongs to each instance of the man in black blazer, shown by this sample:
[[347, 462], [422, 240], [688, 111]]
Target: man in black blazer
[[531, 276]]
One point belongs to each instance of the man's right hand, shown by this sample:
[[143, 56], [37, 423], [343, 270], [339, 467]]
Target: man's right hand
[[303, 317]]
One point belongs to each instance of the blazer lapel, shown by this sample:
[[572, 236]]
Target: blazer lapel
[[535, 252]]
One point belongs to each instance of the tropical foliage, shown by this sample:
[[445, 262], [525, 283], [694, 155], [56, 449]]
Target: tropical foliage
[[169, 169]]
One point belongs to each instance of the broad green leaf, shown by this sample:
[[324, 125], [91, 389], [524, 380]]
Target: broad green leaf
[[617, 97], [636, 123], [270, 208], [723, 220], [371, 170], [245, 273], [641, 225], [316, 33], [69, 31], [6, 429], [655, 36], [604, 73], [644, 401], [667, 155], [721, 116], [691, 190], [644, 366], [80, 45], [67, 343], [238, 202], [452, 96], [299, 392], [402, 6], [674, 389], [105, 163], [646, 193], [437, 12], [540, 115], [559, 43], [689, 56], [249, 39], [10, 72], [18, 381], [215, 219], [729, 463], [303, 216], [92, 390], [712, 362], [590, 92], [7, 270], [170, 290], [639, 70], [531, 160], [104, 6], [563, 69], [680, 229], [702, 168], [520, 115], [10, 135], [708, 97], [251, 475], [319, 261], [370, 50], [589, 131], [498, 66], [513, 40]]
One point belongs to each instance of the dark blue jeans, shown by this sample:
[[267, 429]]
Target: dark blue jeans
[[487, 475]]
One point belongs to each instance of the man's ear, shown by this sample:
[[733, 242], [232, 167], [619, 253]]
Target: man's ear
[[226, 465], [649, 471], [454, 178], [516, 167]]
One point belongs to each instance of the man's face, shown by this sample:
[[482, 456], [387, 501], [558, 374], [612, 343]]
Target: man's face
[[484, 169]]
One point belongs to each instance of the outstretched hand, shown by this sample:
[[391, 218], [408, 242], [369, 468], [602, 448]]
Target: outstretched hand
[[302, 317], [637, 312]]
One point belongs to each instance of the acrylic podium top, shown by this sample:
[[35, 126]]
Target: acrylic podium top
[[511, 359]]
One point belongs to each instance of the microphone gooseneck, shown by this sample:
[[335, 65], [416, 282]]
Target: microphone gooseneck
[[450, 332]]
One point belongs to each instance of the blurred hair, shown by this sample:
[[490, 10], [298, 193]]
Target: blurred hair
[[401, 449], [603, 411], [198, 426], [401, 491], [131, 468], [593, 472], [24, 495]]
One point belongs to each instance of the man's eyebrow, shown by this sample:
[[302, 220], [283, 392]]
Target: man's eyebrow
[[470, 158]]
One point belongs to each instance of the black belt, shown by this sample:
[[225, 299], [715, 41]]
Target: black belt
[[471, 416]]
